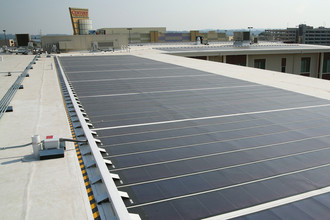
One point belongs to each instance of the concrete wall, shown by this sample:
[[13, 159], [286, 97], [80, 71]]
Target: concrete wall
[[273, 61], [82, 42], [174, 37], [210, 36], [293, 62]]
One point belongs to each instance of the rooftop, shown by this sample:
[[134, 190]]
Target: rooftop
[[229, 48], [182, 134], [33, 189]]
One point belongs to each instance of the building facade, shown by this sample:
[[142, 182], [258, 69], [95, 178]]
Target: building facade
[[303, 34], [299, 59], [83, 42], [160, 35], [118, 37]]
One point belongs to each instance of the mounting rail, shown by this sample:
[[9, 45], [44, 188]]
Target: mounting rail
[[6, 99], [109, 199]]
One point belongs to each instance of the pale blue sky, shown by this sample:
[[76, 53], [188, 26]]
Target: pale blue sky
[[52, 16]]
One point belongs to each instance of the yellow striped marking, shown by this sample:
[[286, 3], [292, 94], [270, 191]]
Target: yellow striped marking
[[83, 171], [96, 214], [93, 205]]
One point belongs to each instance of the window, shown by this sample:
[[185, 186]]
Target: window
[[283, 65], [260, 63], [305, 64], [326, 66]]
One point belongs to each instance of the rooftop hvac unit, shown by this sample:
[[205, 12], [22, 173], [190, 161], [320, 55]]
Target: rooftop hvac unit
[[242, 38]]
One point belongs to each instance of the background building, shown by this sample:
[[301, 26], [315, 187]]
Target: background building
[[303, 34], [306, 60], [67, 43], [86, 38], [106, 38]]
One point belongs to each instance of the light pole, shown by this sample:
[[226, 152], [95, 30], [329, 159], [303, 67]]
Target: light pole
[[4, 32], [129, 35]]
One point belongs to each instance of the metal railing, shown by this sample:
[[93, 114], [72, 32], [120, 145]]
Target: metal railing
[[6, 99], [114, 205]]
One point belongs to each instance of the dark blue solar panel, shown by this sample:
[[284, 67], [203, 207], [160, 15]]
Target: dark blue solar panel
[[189, 144]]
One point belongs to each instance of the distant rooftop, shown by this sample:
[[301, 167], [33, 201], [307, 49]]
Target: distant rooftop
[[228, 47]]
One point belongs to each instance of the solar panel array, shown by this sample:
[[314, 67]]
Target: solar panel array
[[189, 144]]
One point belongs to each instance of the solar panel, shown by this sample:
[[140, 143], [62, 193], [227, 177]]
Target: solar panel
[[316, 207], [189, 144]]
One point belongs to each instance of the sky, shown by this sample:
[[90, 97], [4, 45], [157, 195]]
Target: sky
[[52, 16]]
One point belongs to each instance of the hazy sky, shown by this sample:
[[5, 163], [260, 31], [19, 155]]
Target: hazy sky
[[52, 16]]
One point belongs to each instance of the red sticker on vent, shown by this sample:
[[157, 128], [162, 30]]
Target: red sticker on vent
[[49, 137]]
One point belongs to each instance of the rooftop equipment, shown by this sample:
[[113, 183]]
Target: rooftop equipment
[[242, 38], [50, 148]]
